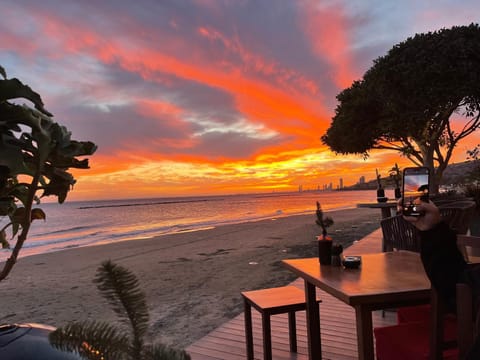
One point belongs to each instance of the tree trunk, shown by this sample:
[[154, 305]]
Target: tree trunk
[[427, 153]]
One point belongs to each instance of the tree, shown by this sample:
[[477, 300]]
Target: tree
[[35, 155], [100, 340], [406, 101]]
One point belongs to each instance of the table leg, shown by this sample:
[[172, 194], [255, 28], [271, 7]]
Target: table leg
[[313, 323], [364, 333], [386, 213]]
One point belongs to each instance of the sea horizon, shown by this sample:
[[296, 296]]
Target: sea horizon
[[96, 222]]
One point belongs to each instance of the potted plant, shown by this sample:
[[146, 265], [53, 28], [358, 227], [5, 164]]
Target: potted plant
[[396, 176], [324, 241], [380, 190]]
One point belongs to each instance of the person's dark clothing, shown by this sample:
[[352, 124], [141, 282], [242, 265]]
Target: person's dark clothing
[[445, 266], [443, 262]]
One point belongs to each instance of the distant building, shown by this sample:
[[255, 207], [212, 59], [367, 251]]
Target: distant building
[[341, 184], [361, 180]]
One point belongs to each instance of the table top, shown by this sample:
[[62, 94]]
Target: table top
[[383, 279], [378, 205]]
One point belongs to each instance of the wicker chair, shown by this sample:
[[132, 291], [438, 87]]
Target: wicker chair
[[399, 234], [458, 215]]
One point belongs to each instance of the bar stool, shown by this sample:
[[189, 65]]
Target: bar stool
[[272, 301]]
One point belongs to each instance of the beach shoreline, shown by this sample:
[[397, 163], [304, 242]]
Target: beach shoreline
[[192, 280]]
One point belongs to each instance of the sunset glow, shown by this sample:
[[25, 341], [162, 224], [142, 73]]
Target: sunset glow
[[209, 97]]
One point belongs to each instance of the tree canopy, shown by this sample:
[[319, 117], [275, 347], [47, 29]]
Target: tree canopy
[[406, 101]]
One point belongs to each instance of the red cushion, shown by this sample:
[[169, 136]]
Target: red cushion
[[413, 313], [410, 341], [422, 313]]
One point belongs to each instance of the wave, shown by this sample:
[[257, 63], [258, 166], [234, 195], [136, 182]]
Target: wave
[[66, 230], [109, 226], [111, 235], [163, 202]]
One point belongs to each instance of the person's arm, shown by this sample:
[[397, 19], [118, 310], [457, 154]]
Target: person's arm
[[443, 262]]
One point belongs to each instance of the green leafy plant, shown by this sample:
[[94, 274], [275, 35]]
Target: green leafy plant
[[35, 155], [396, 175], [95, 340], [323, 221]]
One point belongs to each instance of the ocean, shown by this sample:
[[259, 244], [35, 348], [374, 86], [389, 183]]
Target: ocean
[[86, 223]]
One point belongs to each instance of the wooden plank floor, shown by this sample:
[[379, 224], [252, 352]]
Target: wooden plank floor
[[337, 324]]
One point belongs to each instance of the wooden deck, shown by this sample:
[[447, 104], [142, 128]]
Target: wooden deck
[[337, 323]]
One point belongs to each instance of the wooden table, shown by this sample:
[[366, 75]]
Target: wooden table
[[384, 280], [385, 207]]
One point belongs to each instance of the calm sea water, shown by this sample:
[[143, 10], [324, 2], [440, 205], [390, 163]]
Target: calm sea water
[[75, 224]]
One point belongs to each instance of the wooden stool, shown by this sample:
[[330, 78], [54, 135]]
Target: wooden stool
[[280, 300]]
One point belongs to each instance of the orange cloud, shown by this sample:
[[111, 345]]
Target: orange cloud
[[327, 29], [271, 100]]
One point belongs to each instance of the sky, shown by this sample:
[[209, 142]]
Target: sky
[[204, 97]]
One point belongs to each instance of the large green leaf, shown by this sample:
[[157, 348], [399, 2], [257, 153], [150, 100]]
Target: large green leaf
[[32, 146], [3, 239], [38, 214], [14, 88]]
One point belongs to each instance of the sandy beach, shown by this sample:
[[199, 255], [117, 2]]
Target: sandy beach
[[192, 280]]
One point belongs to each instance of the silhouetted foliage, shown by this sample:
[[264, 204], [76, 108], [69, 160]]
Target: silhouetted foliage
[[406, 100], [98, 340], [35, 155]]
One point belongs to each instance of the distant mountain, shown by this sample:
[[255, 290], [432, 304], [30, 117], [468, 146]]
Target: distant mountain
[[456, 173], [453, 174]]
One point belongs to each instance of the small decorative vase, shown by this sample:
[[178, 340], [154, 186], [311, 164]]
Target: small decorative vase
[[324, 250], [381, 195], [398, 193]]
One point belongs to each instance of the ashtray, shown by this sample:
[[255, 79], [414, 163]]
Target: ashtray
[[352, 262]]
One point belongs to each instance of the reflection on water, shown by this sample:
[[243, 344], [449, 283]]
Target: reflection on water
[[74, 224]]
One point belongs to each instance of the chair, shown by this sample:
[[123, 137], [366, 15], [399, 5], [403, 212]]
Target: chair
[[272, 301], [458, 215], [469, 246], [399, 234]]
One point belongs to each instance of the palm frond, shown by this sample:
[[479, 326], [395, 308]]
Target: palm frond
[[101, 341], [120, 287], [91, 340], [163, 352]]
